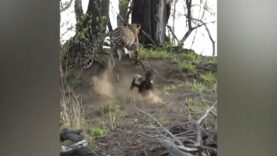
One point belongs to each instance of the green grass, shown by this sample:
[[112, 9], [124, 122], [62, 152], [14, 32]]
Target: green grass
[[171, 88], [195, 106], [114, 108], [187, 67], [198, 87], [208, 78], [154, 54], [109, 107], [98, 132], [174, 87], [194, 58]]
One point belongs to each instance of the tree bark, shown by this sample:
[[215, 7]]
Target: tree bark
[[78, 13], [99, 12], [153, 16]]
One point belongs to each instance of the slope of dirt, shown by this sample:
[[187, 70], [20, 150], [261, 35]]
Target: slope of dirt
[[109, 103]]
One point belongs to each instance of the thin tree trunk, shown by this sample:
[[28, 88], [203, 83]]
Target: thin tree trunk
[[159, 26], [174, 17]]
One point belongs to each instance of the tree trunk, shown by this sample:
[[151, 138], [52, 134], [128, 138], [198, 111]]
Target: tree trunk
[[78, 13], [99, 12], [153, 16]]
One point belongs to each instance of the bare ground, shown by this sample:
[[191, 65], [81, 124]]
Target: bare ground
[[125, 125]]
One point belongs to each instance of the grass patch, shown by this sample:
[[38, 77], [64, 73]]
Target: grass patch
[[194, 58], [198, 87], [114, 108], [208, 78], [154, 54], [195, 106], [187, 67], [173, 87], [72, 113], [98, 132], [109, 107]]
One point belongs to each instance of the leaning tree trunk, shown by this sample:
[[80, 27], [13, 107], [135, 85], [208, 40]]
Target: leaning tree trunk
[[153, 16]]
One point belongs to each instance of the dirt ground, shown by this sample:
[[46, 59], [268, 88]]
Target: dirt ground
[[122, 120]]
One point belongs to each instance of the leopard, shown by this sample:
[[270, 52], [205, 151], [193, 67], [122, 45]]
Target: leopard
[[124, 39]]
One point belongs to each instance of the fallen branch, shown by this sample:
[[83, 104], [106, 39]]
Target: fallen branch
[[166, 130], [172, 148], [167, 141], [206, 114]]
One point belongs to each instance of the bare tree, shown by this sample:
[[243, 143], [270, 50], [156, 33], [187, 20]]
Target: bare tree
[[195, 23]]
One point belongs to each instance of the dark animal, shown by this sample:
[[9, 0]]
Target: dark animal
[[144, 84]]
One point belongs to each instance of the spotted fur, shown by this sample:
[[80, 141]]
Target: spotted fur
[[125, 39]]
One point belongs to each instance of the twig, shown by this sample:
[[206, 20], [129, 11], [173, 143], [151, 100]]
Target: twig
[[180, 144], [65, 6], [172, 148], [172, 32], [166, 130], [211, 38], [206, 114], [198, 135]]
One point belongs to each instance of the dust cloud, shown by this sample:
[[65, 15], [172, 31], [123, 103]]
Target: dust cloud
[[117, 86], [154, 97], [102, 84]]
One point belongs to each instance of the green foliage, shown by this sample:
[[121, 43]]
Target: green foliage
[[98, 132], [208, 78], [83, 24], [101, 19], [187, 67], [212, 61], [154, 53], [101, 24]]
